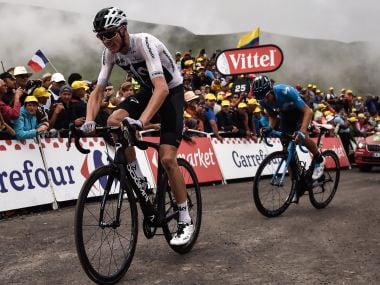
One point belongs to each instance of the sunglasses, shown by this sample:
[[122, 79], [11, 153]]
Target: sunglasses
[[108, 35], [23, 76]]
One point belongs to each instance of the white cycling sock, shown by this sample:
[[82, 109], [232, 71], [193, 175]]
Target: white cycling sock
[[184, 216], [135, 168]]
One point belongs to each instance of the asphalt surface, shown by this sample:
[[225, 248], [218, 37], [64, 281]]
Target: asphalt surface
[[336, 245]]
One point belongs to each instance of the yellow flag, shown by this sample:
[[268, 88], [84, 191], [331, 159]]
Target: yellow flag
[[249, 39]]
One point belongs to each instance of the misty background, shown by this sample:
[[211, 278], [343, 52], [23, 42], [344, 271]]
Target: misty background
[[66, 38]]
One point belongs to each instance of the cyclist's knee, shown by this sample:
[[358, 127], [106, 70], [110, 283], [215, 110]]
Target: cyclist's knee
[[168, 161]]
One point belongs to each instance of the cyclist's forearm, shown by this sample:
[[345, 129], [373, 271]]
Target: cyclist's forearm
[[93, 104]]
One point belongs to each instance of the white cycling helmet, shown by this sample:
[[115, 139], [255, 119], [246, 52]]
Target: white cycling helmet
[[109, 18]]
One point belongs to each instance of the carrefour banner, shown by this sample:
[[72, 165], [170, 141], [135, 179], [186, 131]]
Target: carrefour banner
[[33, 174], [23, 178], [71, 168], [240, 158]]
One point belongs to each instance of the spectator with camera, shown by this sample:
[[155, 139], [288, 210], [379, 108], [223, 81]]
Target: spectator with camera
[[22, 77], [210, 119], [27, 126], [9, 113], [61, 113], [10, 82]]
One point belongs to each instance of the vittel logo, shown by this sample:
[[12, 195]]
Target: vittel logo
[[264, 58]]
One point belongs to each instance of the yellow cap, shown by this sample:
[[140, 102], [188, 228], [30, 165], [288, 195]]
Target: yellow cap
[[41, 92], [361, 115], [314, 86], [321, 106], [252, 101], [257, 110], [352, 119], [225, 103], [331, 88], [309, 85], [111, 106], [349, 91], [79, 84], [189, 62], [228, 94], [30, 98], [377, 118], [186, 115], [210, 96], [242, 105], [219, 97]]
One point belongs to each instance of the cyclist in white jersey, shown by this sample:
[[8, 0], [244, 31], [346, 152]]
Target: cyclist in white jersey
[[151, 64]]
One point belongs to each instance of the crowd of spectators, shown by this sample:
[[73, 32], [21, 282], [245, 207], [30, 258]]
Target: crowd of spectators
[[221, 106]]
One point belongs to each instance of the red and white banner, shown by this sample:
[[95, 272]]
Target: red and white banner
[[335, 144], [199, 154]]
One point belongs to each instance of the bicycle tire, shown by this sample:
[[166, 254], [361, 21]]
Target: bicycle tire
[[279, 198], [116, 247], [323, 194], [168, 205]]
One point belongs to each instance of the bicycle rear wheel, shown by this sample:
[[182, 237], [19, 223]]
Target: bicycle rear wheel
[[324, 191], [270, 196], [105, 246], [169, 206]]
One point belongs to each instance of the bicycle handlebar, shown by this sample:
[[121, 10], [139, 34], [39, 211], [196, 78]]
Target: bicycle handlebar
[[281, 135], [127, 131]]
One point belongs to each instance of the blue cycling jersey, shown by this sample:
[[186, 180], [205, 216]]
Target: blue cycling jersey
[[287, 99]]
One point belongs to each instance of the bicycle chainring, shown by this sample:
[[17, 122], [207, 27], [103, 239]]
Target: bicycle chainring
[[148, 229]]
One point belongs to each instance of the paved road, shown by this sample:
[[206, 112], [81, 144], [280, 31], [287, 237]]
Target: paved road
[[337, 245]]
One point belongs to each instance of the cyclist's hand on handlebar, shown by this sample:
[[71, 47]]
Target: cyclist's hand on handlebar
[[88, 127], [300, 137], [136, 123]]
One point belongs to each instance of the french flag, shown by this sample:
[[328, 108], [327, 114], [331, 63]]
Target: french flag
[[38, 61]]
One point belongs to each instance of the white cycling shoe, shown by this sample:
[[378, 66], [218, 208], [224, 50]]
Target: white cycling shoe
[[183, 234], [318, 169]]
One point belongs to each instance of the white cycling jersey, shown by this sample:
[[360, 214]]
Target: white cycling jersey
[[146, 59]]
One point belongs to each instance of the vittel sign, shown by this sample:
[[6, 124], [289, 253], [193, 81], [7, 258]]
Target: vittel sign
[[265, 58]]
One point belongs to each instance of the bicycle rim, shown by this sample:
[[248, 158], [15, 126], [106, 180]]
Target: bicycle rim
[[105, 252], [322, 194], [169, 206], [271, 198]]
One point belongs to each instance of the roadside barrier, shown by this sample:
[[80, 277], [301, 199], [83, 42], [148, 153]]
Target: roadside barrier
[[27, 180]]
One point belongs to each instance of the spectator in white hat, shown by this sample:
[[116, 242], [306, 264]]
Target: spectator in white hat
[[22, 76], [57, 81]]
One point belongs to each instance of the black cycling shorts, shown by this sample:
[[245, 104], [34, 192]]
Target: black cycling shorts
[[290, 121], [170, 113]]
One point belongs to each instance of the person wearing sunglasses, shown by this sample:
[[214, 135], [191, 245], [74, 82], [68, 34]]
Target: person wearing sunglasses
[[161, 91]]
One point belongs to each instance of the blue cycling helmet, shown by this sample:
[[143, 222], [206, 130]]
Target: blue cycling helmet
[[261, 86]]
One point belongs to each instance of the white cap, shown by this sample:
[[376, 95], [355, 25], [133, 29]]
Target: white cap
[[20, 70], [57, 77], [190, 95]]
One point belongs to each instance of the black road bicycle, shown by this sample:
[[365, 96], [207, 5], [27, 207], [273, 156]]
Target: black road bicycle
[[106, 223], [282, 178]]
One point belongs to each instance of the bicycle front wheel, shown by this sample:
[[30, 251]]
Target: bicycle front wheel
[[324, 188], [105, 243], [169, 206], [273, 192]]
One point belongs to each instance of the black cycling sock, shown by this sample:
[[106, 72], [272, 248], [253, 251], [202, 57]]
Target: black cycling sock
[[318, 158]]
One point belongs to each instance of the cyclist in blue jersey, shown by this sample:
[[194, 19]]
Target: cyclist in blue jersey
[[284, 104], [150, 63]]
